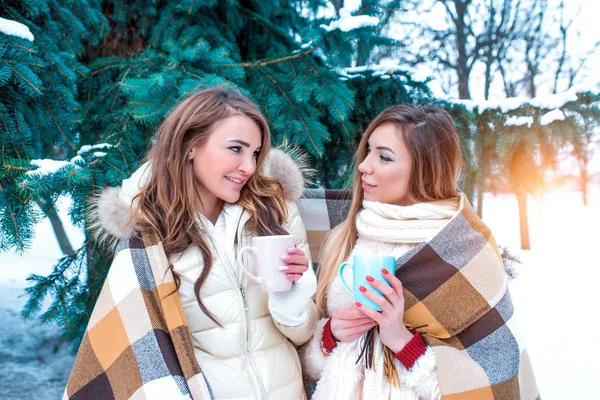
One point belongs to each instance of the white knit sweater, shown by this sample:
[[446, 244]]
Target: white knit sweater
[[383, 229]]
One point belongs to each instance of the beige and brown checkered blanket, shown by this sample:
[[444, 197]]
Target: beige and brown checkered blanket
[[456, 289], [137, 344]]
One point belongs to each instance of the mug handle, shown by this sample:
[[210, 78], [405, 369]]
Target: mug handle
[[255, 252], [344, 265]]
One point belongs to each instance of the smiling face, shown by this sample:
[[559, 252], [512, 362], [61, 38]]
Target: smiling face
[[387, 168], [223, 165]]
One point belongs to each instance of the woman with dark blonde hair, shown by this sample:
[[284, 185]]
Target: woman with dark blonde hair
[[445, 326], [177, 317]]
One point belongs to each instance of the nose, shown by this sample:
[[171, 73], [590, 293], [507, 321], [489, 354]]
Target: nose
[[365, 166], [247, 166]]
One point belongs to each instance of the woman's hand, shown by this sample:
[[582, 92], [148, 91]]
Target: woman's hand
[[296, 264], [392, 331], [347, 324]]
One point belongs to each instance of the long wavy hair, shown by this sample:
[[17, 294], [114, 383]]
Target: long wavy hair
[[433, 142], [165, 205]]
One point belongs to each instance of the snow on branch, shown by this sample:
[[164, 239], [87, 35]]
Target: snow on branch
[[552, 101], [554, 115], [382, 70], [88, 148], [347, 22], [47, 167], [519, 121], [505, 105], [14, 28]]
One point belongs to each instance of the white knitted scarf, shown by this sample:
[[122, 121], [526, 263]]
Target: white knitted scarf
[[404, 224]]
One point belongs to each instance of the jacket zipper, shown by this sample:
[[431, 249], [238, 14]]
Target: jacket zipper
[[249, 359], [258, 384]]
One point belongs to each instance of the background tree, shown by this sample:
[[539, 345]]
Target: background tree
[[525, 136]]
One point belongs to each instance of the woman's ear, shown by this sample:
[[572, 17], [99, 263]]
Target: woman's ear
[[191, 154]]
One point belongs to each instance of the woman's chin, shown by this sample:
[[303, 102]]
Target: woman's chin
[[230, 197], [369, 197]]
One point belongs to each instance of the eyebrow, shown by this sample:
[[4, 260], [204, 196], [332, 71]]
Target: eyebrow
[[382, 148], [385, 148], [240, 141], [245, 144]]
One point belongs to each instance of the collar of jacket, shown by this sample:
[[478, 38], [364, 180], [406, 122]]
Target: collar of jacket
[[111, 210]]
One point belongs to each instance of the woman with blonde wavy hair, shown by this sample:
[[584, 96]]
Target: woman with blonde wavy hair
[[177, 317], [446, 326]]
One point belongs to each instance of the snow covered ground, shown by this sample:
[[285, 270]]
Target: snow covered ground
[[556, 294], [35, 361], [556, 298]]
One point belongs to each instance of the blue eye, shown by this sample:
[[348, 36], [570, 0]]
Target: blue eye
[[384, 157], [236, 149], [256, 154]]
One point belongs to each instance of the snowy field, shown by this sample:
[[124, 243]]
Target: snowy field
[[555, 296]]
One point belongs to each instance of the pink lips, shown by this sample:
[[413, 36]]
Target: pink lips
[[241, 182], [366, 185]]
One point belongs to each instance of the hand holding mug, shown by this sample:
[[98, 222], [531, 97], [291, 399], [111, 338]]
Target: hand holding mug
[[392, 331], [348, 324], [296, 263]]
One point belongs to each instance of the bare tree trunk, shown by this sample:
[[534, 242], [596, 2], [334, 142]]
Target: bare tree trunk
[[462, 68], [531, 75], [523, 221], [337, 4], [481, 173], [509, 87], [563, 42], [480, 200], [57, 226], [522, 172], [584, 184], [469, 187], [488, 77]]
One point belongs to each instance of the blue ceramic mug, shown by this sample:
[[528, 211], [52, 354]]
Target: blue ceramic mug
[[362, 266]]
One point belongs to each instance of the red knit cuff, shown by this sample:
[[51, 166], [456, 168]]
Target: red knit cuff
[[329, 341], [414, 349]]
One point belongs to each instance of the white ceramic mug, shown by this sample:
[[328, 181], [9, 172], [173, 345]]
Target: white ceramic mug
[[267, 251]]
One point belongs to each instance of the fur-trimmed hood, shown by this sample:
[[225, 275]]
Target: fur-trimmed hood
[[111, 210]]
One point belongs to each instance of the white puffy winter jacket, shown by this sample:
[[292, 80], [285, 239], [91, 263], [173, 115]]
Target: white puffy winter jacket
[[252, 355]]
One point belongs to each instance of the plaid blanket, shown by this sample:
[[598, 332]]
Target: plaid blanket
[[137, 344], [456, 292]]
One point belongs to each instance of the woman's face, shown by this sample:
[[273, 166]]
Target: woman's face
[[223, 165], [386, 170]]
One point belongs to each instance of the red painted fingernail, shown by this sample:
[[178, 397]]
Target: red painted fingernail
[[358, 304], [370, 278], [362, 289], [385, 271]]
